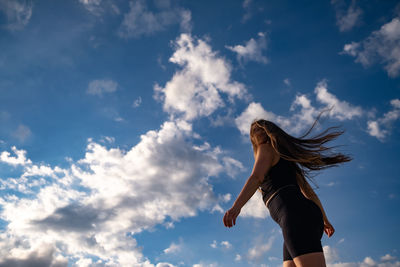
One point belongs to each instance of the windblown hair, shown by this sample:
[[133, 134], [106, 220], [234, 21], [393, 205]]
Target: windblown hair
[[308, 154]]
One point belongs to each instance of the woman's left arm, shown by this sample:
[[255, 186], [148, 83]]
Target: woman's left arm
[[262, 164]]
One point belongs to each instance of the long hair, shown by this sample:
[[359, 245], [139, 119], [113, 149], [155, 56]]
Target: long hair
[[307, 153]]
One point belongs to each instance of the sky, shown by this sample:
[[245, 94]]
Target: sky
[[124, 127]]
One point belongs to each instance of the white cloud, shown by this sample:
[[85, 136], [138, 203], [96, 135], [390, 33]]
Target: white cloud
[[342, 110], [137, 102], [346, 19], [381, 46], [331, 254], [205, 265], [287, 82], [222, 244], [256, 111], [380, 128], [195, 90], [164, 264], [238, 257], [100, 87], [252, 50], [92, 206], [22, 132], [255, 207], [18, 13], [333, 260], [141, 21], [226, 244], [303, 118], [259, 250], [248, 10], [92, 5], [100, 7], [388, 257], [20, 158], [173, 248]]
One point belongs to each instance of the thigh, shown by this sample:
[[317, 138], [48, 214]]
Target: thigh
[[289, 263], [315, 259], [302, 230]]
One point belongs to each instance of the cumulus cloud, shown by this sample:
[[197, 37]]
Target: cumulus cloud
[[20, 158], [304, 112], [382, 46], [252, 50], [333, 260], [45, 256], [96, 206], [100, 87], [256, 111], [17, 13], [381, 127], [196, 90], [142, 21], [346, 19]]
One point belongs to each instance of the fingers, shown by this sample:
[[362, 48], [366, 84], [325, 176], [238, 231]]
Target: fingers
[[329, 230], [226, 221], [229, 219]]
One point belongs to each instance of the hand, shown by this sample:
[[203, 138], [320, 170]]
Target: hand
[[328, 228], [230, 217]]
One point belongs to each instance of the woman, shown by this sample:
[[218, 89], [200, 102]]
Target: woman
[[282, 164]]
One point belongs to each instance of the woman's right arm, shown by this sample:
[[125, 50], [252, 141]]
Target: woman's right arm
[[309, 193]]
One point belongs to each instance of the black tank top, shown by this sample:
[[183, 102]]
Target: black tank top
[[280, 175]]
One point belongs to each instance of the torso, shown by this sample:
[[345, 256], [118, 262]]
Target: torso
[[281, 174]]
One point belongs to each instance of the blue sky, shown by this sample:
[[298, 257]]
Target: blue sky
[[125, 125]]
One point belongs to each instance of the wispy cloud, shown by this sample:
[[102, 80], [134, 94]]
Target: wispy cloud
[[347, 18], [252, 50], [380, 46], [381, 127], [100, 87], [137, 102], [260, 248], [173, 248], [141, 21], [248, 10], [222, 244], [22, 132], [18, 13]]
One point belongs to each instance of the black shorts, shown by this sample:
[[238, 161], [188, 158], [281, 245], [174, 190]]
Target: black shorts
[[301, 222]]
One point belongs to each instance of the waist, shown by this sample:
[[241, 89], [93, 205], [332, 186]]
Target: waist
[[279, 190]]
